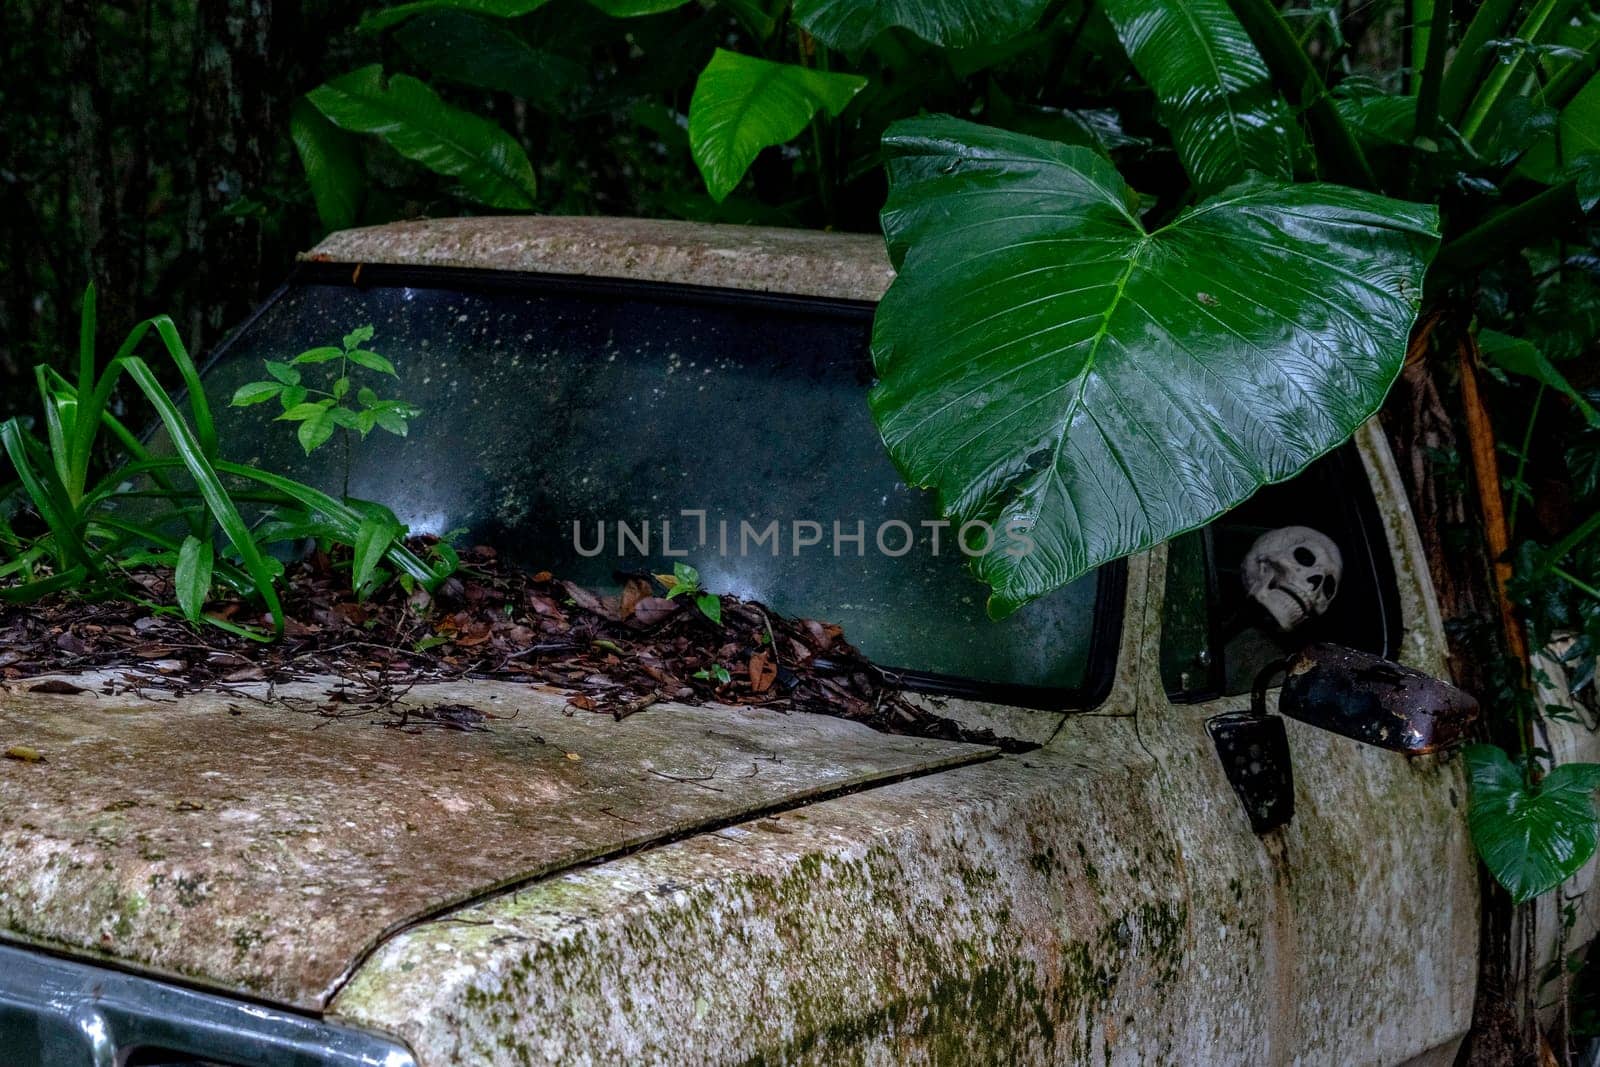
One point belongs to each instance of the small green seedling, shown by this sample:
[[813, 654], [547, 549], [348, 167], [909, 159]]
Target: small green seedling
[[719, 673], [343, 405], [685, 581]]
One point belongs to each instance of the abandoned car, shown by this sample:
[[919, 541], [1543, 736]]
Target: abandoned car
[[1150, 865]]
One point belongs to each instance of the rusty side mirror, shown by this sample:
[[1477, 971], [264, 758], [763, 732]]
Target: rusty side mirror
[[1354, 694], [1374, 701]]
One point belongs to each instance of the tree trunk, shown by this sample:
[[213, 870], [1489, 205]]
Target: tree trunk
[[1420, 420], [236, 114]]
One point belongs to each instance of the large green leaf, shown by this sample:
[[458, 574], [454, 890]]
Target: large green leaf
[[393, 16], [742, 104], [627, 9], [851, 25], [1534, 839], [492, 167], [1579, 130], [478, 52], [1215, 93], [1052, 367], [1521, 356], [332, 164]]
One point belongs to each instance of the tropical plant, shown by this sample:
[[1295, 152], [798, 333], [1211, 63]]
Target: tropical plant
[[685, 581], [1084, 343], [343, 406], [155, 509]]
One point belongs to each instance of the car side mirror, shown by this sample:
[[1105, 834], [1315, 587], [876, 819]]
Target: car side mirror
[[1374, 701], [1354, 694]]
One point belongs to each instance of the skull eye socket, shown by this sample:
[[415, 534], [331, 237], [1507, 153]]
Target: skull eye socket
[[1330, 587], [1304, 556]]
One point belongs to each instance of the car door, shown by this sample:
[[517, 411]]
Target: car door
[[1350, 935]]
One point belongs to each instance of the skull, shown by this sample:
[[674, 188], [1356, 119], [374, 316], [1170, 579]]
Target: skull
[[1293, 572]]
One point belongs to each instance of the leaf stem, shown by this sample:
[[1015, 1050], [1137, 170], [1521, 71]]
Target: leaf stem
[[1489, 94], [1466, 67], [1339, 154], [1522, 462], [1575, 582]]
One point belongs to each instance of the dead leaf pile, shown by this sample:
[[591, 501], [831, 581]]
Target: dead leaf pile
[[617, 654]]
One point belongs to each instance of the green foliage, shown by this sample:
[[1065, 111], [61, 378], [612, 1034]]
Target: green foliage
[[1531, 837], [392, 16], [332, 164], [344, 405], [414, 121], [1521, 356], [91, 536], [1216, 96], [484, 54], [742, 105], [1054, 368], [717, 673], [685, 581], [852, 25]]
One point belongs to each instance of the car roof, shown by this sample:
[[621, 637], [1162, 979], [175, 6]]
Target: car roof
[[842, 266]]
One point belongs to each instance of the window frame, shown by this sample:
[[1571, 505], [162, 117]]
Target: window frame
[[1105, 634], [1346, 466]]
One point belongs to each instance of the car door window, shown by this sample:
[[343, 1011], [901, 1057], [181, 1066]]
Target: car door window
[[1305, 560]]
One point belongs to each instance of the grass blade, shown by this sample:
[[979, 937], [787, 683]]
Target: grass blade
[[345, 519], [31, 591], [211, 488], [49, 497]]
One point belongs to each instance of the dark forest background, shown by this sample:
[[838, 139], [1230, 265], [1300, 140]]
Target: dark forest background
[[145, 144]]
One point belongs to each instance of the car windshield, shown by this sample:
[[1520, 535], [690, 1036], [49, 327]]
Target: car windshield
[[595, 429]]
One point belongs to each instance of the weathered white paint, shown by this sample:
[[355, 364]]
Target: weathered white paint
[[1101, 901]]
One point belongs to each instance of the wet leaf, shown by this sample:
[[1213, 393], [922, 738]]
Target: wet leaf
[[852, 25], [742, 104], [191, 578], [255, 393], [283, 372], [331, 159], [315, 431], [1089, 388], [1523, 357], [323, 354], [491, 166], [710, 606], [372, 361], [1531, 839], [1214, 90]]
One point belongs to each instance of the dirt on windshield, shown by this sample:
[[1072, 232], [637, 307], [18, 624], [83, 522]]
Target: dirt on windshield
[[617, 654]]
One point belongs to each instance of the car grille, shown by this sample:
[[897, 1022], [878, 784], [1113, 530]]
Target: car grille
[[58, 1013]]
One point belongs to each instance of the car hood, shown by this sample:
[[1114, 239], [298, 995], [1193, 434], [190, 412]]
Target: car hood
[[265, 843]]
